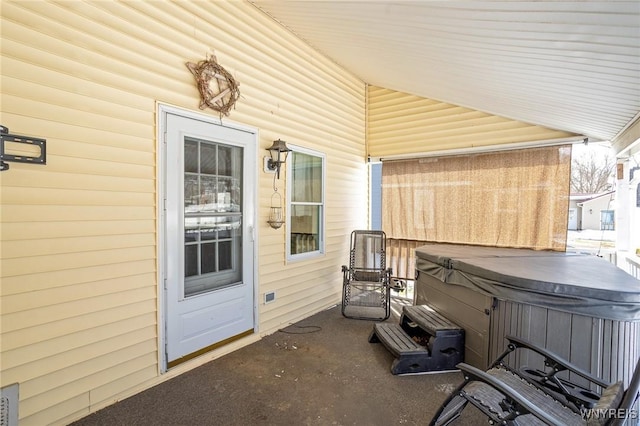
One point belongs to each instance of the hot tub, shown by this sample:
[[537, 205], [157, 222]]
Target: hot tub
[[578, 306]]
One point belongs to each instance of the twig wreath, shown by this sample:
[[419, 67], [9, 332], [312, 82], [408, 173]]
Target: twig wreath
[[218, 89]]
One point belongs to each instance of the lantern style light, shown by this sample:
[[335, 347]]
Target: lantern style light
[[278, 152]]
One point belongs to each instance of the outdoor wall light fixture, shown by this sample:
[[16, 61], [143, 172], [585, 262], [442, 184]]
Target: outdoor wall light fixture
[[278, 152]]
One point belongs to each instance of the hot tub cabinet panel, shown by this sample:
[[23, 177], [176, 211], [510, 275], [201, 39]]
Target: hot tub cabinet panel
[[607, 348], [467, 308], [580, 307]]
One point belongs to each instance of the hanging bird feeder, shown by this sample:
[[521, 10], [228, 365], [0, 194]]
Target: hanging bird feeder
[[276, 218]]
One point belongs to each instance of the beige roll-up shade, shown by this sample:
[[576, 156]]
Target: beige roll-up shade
[[504, 199]]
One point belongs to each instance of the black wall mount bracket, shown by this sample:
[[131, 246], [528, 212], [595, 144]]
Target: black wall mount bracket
[[26, 155]]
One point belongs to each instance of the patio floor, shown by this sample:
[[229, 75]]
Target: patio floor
[[320, 371]]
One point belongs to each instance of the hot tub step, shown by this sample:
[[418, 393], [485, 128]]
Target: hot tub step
[[423, 341], [410, 356]]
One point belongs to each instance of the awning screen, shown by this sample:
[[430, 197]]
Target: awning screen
[[502, 199]]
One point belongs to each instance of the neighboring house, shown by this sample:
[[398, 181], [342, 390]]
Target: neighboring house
[[104, 248], [592, 211]]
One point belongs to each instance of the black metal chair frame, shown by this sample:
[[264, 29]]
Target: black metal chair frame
[[374, 279], [580, 400]]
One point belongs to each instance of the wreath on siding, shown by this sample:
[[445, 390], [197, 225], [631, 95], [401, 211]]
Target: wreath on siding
[[218, 89]]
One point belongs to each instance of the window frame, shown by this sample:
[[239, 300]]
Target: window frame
[[322, 204], [607, 226]]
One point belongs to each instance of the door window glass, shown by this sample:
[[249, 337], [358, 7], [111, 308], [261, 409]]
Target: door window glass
[[212, 216]]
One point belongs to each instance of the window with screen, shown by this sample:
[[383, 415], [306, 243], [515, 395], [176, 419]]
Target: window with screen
[[306, 203]]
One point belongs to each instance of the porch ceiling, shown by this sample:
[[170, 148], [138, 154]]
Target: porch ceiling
[[572, 66]]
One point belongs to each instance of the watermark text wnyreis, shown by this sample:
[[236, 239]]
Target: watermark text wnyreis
[[610, 413]]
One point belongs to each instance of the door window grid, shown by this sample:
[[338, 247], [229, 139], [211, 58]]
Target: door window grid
[[212, 222]]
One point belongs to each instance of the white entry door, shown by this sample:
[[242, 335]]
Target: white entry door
[[573, 220], [209, 182]]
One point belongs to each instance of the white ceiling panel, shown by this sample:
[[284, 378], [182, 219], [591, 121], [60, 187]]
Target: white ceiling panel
[[572, 66]]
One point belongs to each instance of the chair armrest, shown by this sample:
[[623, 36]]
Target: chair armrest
[[524, 406], [555, 362], [630, 399]]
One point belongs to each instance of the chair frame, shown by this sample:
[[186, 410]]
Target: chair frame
[[578, 399], [374, 279]]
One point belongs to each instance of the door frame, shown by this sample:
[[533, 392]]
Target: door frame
[[162, 110]]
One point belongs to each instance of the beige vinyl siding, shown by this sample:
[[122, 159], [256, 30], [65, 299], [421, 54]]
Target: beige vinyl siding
[[80, 297], [402, 124]]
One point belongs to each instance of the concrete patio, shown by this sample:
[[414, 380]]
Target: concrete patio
[[320, 371]]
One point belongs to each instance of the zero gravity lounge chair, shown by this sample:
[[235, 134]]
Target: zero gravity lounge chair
[[529, 396], [366, 281]]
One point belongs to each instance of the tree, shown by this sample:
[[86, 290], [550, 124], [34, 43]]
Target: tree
[[591, 170]]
